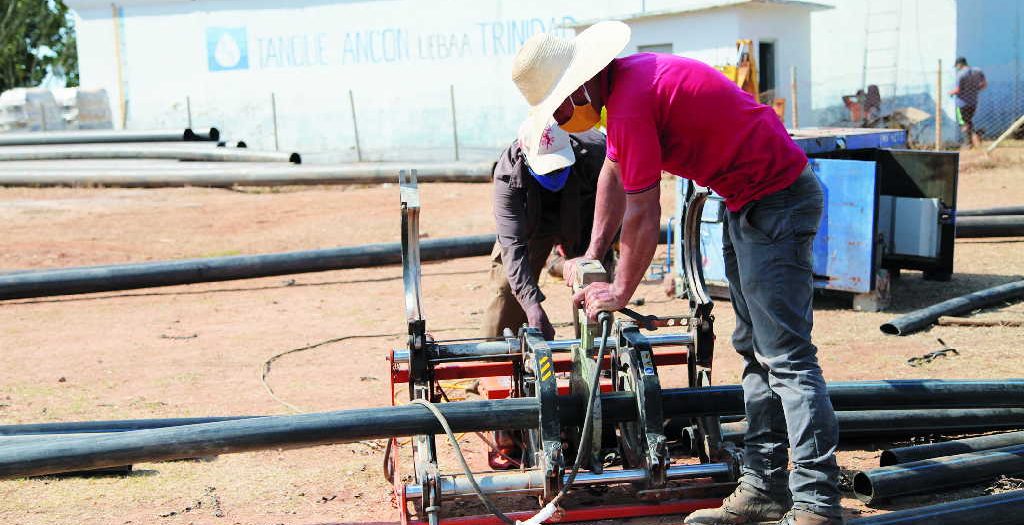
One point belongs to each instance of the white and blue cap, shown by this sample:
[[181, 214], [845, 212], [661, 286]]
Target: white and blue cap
[[553, 152]]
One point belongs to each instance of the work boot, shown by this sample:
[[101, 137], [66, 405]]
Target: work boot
[[745, 506], [806, 517]]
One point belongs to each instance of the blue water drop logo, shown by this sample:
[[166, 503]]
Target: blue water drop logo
[[227, 48]]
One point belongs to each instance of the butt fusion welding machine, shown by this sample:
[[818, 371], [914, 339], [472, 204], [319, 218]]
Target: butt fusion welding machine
[[641, 467]]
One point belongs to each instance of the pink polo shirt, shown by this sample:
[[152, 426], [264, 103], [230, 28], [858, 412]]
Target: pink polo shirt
[[675, 114]]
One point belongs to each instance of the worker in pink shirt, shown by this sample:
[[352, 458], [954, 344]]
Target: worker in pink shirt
[[669, 113]]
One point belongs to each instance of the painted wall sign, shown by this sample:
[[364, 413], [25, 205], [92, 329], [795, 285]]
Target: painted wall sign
[[227, 48]]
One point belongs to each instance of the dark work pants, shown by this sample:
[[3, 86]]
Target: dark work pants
[[504, 310], [767, 247]]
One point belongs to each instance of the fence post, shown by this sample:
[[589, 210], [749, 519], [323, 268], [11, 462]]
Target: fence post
[[355, 125], [273, 114], [122, 99], [792, 94], [938, 108], [188, 110], [455, 127]]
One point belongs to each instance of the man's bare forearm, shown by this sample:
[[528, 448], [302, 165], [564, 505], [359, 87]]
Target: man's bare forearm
[[609, 208], [638, 241]]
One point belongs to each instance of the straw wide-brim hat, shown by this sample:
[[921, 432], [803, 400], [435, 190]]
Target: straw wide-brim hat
[[548, 68]]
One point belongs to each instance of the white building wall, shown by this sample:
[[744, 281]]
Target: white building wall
[[789, 28], [400, 58], [96, 64], [708, 36]]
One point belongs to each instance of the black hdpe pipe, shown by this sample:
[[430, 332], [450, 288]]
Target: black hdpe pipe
[[990, 226], [981, 212], [901, 423], [230, 175], [90, 279], [995, 509], [107, 136], [897, 456], [170, 443], [144, 152], [896, 394], [884, 483], [918, 319], [112, 425], [304, 430]]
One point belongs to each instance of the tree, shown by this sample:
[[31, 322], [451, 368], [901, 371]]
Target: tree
[[37, 37]]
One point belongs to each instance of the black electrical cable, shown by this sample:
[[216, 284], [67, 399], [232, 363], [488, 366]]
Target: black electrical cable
[[462, 461]]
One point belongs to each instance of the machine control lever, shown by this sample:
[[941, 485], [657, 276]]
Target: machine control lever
[[652, 322]]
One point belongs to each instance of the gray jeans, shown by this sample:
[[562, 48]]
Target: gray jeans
[[767, 249]]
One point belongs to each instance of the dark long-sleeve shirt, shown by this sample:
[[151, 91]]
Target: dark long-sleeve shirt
[[525, 210]]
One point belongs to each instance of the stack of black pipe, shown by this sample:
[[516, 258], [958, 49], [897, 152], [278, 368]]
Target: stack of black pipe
[[943, 465], [115, 444], [991, 222], [925, 468]]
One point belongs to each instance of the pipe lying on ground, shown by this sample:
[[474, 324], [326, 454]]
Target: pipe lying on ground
[[107, 136], [996, 509], [897, 456], [240, 175], [243, 435], [918, 319], [90, 279], [980, 212], [884, 483], [167, 153], [304, 430], [853, 396], [902, 423], [990, 226], [111, 425]]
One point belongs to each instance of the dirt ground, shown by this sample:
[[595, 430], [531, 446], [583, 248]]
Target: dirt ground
[[198, 350]]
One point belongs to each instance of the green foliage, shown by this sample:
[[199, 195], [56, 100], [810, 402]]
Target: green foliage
[[36, 36]]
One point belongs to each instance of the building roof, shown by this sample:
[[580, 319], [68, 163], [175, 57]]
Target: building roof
[[705, 5]]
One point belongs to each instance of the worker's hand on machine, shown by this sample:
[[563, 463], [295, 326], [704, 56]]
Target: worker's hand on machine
[[597, 298], [536, 317], [569, 269]]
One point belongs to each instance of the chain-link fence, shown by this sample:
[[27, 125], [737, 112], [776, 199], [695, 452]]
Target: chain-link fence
[[989, 101], [984, 100]]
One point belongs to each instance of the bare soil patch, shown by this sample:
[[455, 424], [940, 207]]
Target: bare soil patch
[[198, 350]]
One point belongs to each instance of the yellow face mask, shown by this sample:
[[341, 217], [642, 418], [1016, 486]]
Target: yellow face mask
[[583, 117]]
